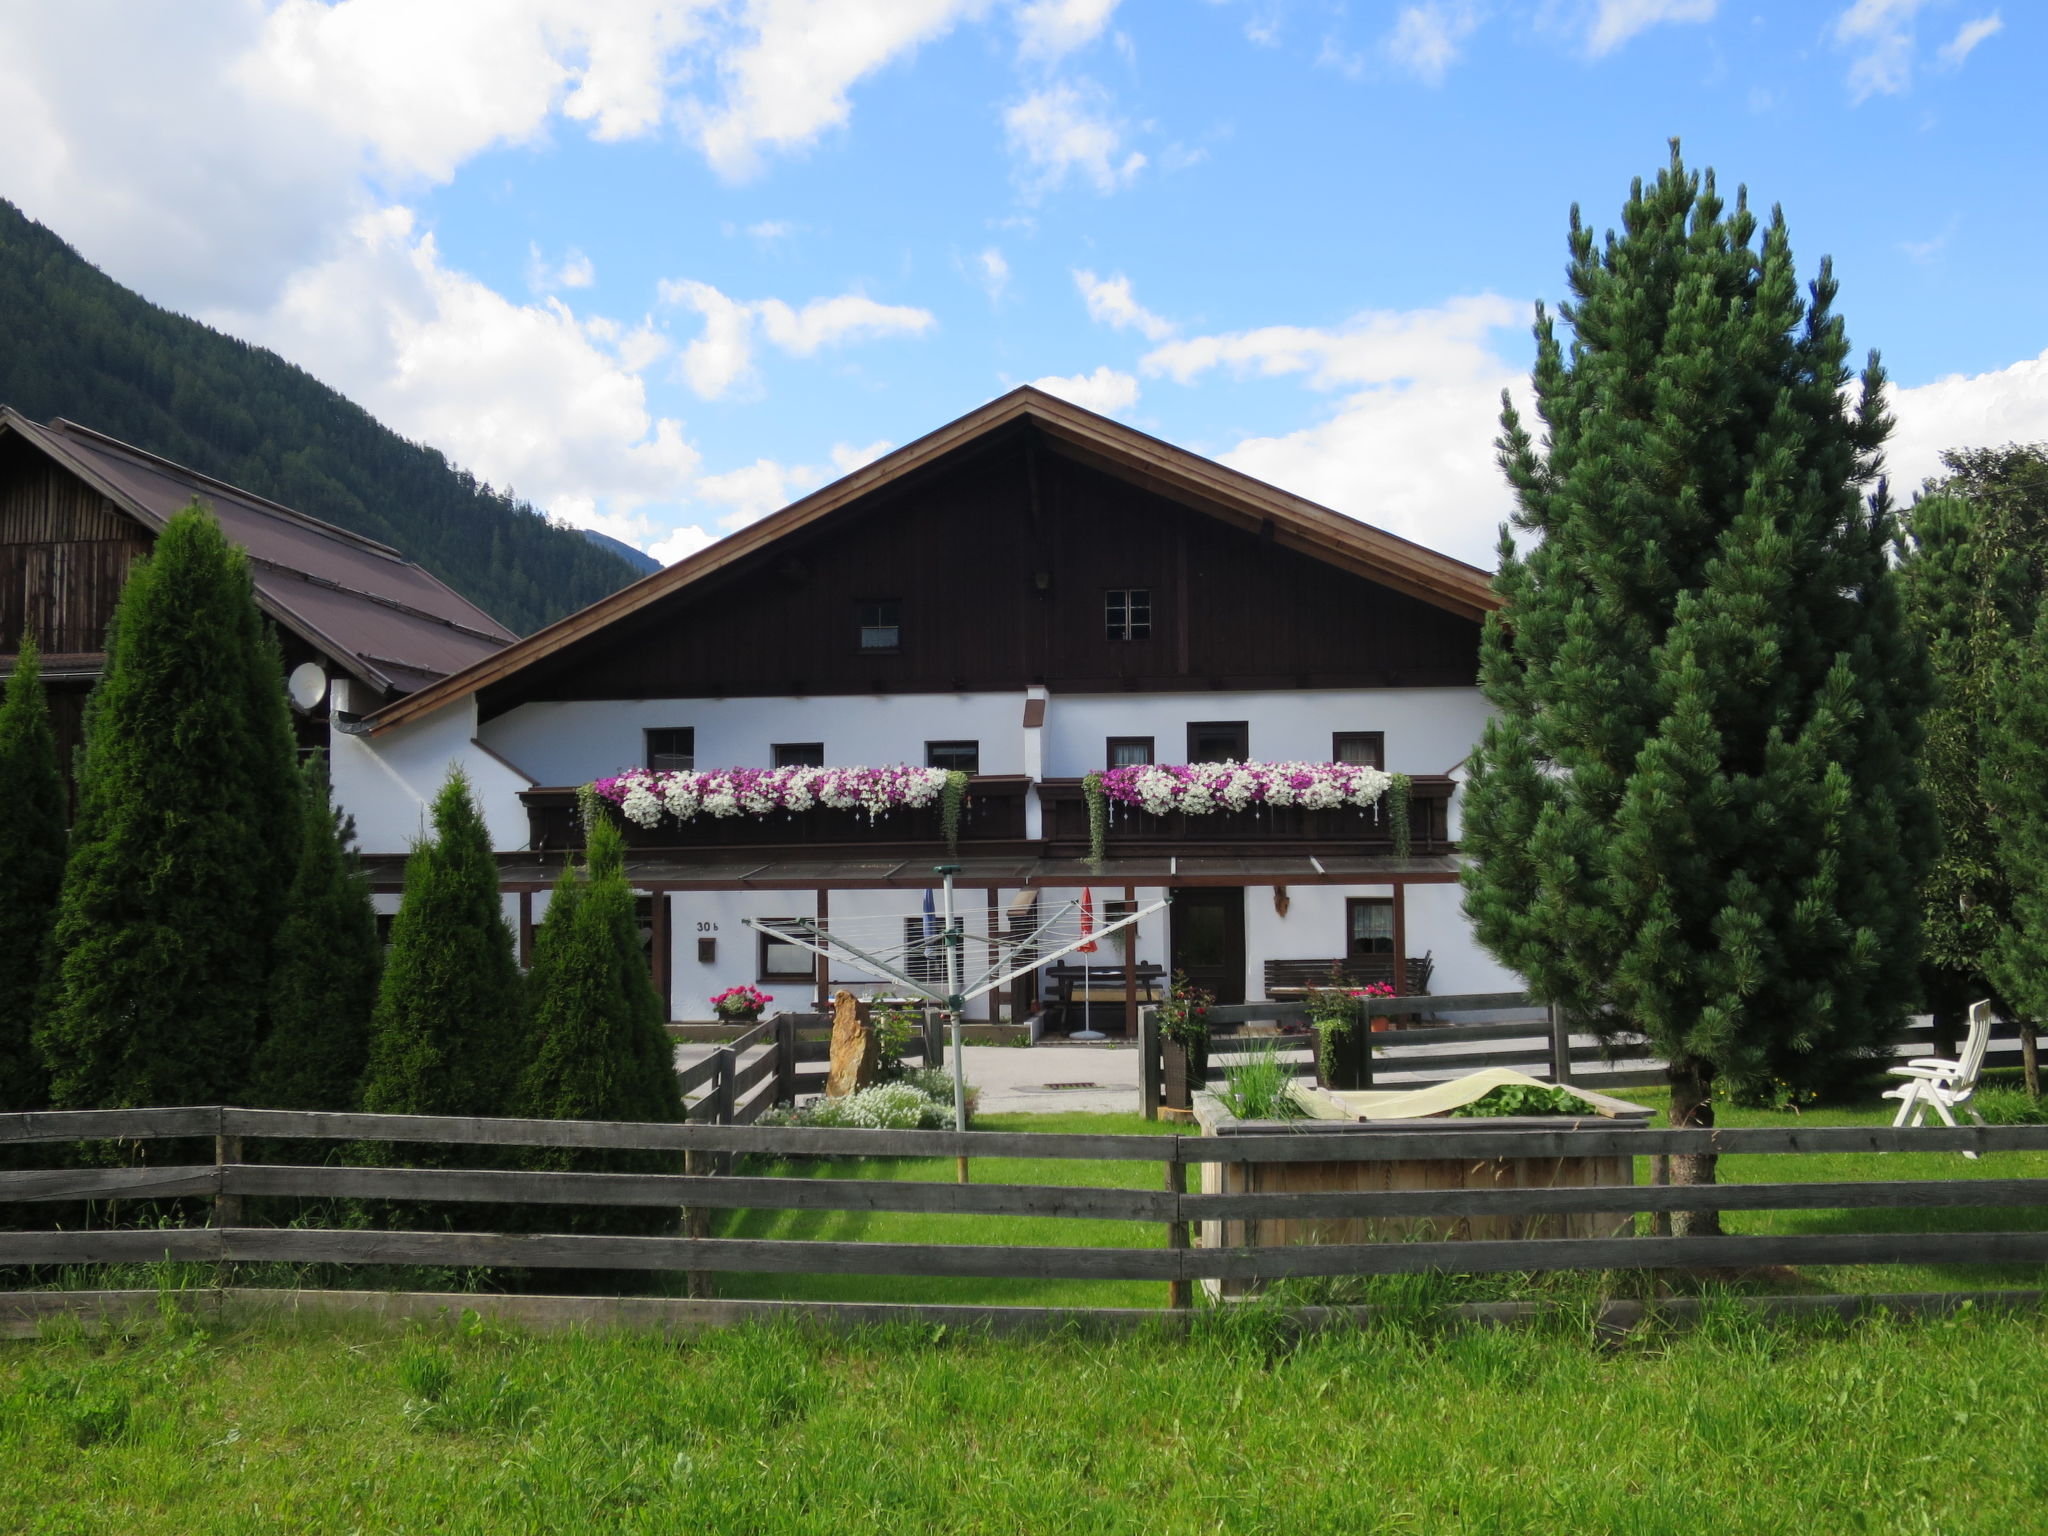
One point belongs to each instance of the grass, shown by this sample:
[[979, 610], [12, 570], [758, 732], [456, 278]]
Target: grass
[[330, 1428]]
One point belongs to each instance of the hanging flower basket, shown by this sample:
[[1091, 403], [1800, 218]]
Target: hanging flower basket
[[644, 797]]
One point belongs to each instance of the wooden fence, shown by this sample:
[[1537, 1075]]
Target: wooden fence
[[1516, 1032], [228, 1180], [729, 1088]]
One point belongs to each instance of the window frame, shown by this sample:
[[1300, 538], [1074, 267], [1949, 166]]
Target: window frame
[[1243, 728], [648, 754], [762, 974], [1351, 906], [777, 750], [1148, 743], [973, 746], [1126, 630], [1376, 739], [890, 608]]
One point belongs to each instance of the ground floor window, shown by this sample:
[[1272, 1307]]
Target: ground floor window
[[781, 960], [1370, 921]]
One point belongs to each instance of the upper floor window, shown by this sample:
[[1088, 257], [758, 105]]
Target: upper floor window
[[1362, 749], [672, 749], [1128, 611], [959, 756], [798, 754], [1129, 751], [881, 625], [1219, 741]]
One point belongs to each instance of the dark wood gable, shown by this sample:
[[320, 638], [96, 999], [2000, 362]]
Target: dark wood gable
[[65, 551], [999, 560]]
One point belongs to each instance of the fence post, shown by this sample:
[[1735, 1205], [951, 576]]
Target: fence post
[[1560, 1049], [785, 1058], [722, 1100], [934, 1041], [697, 1224], [227, 1208], [1179, 1293], [1148, 1064]]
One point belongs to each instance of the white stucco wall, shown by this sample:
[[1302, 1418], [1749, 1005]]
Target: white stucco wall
[[388, 782]]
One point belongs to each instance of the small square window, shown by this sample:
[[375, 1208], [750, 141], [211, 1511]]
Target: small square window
[[881, 625], [1127, 613], [1371, 921], [957, 756], [1219, 741], [672, 749], [1129, 751], [798, 754], [781, 960], [1361, 749]]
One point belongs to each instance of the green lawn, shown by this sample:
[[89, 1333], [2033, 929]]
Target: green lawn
[[322, 1428]]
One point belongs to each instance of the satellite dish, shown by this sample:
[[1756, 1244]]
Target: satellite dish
[[307, 685]]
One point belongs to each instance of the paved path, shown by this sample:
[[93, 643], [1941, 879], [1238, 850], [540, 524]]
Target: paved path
[[1018, 1079]]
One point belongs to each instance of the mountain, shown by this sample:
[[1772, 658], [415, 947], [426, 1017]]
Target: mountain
[[643, 563], [75, 343]]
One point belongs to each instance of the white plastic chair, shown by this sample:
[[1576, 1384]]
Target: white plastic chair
[[1944, 1086]]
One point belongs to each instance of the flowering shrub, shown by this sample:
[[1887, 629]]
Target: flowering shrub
[[741, 1002], [920, 1100], [643, 797], [1198, 789], [1183, 1014]]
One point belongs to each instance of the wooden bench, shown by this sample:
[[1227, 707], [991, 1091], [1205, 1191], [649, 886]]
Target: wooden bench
[[1294, 977], [1100, 986]]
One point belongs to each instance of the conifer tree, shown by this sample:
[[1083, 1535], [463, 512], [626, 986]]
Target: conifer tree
[[1696, 814], [600, 1049], [2015, 782], [448, 1034], [182, 851], [31, 870], [323, 988]]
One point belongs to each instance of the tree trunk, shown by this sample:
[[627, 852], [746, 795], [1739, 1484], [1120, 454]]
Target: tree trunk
[[2030, 1057], [1692, 1109]]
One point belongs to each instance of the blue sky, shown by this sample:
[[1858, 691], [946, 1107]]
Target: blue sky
[[660, 265]]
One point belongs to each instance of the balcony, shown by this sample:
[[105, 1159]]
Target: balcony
[[1134, 832], [992, 821]]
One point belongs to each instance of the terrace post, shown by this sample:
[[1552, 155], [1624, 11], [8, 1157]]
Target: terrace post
[[722, 1100], [1148, 1063], [785, 1057]]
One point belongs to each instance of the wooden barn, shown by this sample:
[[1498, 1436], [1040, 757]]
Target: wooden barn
[[76, 510]]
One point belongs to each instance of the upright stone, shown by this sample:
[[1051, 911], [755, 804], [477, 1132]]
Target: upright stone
[[855, 1051]]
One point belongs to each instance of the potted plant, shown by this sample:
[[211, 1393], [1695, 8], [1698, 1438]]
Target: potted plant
[[1183, 1017], [740, 1005], [1337, 1016], [1368, 992]]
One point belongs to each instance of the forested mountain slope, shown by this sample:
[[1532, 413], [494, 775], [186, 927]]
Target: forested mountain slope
[[75, 343]]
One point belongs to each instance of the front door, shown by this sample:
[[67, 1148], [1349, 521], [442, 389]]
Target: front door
[[1208, 938]]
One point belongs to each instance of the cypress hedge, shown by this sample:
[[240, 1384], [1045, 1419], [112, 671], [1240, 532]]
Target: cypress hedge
[[32, 842], [184, 846]]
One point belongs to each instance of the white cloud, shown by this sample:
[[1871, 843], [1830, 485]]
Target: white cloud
[[1880, 37], [722, 356], [525, 395], [1614, 22], [680, 543], [1066, 128], [1968, 36], [1051, 29], [754, 490], [1110, 302], [786, 80], [1409, 446], [994, 273], [575, 270], [1105, 390], [1984, 410], [1426, 37], [772, 229]]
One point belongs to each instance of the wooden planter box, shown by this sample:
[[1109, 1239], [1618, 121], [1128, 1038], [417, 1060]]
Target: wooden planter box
[[1408, 1173], [1182, 1072]]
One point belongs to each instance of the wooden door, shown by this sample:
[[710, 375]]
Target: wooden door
[[1208, 938]]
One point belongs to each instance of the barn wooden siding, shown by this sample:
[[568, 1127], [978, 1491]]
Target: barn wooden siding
[[65, 551]]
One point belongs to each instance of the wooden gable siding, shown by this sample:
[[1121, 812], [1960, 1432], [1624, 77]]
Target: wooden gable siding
[[65, 551], [963, 552]]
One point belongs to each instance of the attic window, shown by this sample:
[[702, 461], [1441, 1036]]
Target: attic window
[[1128, 613], [672, 749], [881, 625]]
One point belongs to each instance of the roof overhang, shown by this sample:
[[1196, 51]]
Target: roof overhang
[[1291, 521]]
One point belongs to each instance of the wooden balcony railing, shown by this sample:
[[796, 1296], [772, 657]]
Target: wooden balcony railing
[[992, 816], [1132, 831]]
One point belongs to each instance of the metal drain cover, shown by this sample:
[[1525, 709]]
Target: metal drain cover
[[1073, 1085]]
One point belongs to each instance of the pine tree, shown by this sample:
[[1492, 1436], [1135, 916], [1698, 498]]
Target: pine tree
[[1696, 814], [324, 986], [182, 852], [600, 1049], [448, 1035], [32, 842]]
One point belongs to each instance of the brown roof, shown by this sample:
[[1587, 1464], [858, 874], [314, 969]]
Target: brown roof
[[1296, 523], [359, 602]]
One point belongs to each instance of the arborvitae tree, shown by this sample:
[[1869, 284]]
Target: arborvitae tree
[[1696, 814], [324, 987], [31, 870], [600, 1049], [2015, 783], [187, 832], [448, 1036]]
